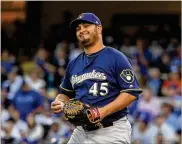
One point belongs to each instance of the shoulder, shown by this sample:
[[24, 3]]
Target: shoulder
[[116, 55], [114, 52]]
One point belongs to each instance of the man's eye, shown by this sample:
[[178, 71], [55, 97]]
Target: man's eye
[[77, 29], [86, 25]]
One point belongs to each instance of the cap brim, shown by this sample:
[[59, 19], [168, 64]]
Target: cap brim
[[75, 22]]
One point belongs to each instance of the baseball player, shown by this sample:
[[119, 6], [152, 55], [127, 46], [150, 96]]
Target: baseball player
[[100, 77]]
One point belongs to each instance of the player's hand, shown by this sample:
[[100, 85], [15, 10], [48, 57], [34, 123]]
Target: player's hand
[[57, 106]]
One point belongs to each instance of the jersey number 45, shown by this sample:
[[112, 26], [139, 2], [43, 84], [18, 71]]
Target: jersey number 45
[[102, 90]]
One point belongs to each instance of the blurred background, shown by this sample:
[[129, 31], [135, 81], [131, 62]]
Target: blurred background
[[37, 45]]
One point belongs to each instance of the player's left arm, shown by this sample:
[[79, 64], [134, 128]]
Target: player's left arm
[[122, 101], [127, 82]]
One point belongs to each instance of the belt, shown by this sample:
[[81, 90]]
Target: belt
[[99, 125]]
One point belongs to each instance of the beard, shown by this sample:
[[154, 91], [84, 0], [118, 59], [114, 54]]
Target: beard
[[89, 40]]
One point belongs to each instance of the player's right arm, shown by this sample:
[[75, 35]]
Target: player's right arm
[[66, 92], [57, 104]]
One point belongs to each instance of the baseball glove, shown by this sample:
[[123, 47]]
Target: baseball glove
[[79, 114]]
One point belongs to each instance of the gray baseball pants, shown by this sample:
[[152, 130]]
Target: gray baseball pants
[[119, 133]]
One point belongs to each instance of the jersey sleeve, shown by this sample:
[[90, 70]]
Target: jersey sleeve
[[125, 76], [66, 86]]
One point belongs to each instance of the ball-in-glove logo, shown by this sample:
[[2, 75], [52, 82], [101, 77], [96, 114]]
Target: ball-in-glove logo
[[127, 75]]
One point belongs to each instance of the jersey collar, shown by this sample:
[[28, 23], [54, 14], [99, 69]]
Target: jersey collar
[[93, 54]]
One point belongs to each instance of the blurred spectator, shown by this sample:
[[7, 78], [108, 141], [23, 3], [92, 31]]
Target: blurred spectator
[[174, 81], [149, 103], [40, 119], [55, 135], [27, 64], [10, 134], [34, 80], [60, 57], [142, 132], [42, 60], [41, 57], [159, 139], [171, 118], [59, 132], [154, 82], [35, 132], [127, 48], [156, 50], [164, 130], [48, 97], [179, 131], [146, 133], [7, 62], [108, 39], [175, 64], [75, 51], [172, 92], [20, 125], [60, 60], [172, 45], [164, 63], [12, 85], [177, 101], [4, 114], [144, 57], [27, 101]]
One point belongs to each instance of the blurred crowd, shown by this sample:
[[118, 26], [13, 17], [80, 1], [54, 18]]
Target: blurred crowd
[[30, 82]]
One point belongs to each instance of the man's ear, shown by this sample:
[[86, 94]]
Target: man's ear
[[99, 28]]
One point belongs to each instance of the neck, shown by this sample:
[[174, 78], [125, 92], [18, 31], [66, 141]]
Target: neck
[[95, 48]]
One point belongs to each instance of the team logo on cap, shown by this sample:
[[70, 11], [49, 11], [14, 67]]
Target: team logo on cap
[[80, 16], [127, 75]]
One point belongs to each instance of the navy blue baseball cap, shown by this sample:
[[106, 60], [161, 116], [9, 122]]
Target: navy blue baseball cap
[[85, 17]]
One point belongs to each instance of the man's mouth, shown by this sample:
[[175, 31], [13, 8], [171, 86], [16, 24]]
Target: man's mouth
[[82, 36]]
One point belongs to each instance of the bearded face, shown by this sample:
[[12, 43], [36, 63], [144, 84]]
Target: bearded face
[[87, 34]]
